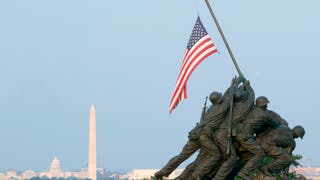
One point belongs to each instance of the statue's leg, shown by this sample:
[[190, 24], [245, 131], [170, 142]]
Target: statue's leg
[[187, 172], [282, 158], [250, 144], [230, 160], [207, 164], [189, 148]]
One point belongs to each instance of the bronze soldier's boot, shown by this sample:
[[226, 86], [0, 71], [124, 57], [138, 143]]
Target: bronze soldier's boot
[[266, 171], [244, 176], [194, 177], [178, 178], [158, 175]]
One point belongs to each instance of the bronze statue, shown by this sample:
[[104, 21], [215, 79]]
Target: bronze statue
[[279, 144], [201, 136], [234, 134]]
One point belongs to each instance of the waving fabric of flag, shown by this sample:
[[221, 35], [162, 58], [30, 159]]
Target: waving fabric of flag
[[199, 47]]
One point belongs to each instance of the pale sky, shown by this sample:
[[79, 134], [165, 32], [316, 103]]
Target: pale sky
[[58, 57]]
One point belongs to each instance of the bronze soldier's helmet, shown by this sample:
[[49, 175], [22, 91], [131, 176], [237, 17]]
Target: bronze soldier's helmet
[[261, 101], [298, 131], [215, 97]]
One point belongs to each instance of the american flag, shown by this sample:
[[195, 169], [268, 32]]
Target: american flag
[[199, 47]]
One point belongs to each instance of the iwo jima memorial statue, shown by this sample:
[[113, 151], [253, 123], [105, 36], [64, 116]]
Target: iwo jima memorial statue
[[238, 137]]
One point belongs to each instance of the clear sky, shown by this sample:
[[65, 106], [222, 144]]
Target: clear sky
[[58, 57]]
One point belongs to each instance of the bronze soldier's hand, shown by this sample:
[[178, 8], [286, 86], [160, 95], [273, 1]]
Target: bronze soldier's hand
[[243, 79], [238, 80], [233, 81], [246, 83]]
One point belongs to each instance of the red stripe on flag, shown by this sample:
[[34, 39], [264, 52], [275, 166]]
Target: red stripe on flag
[[192, 59], [175, 102], [187, 61], [186, 74]]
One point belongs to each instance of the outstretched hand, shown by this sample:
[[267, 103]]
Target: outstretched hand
[[242, 78], [236, 80], [233, 81], [246, 83]]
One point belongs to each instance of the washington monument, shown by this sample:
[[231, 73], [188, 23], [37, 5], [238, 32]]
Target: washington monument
[[92, 162]]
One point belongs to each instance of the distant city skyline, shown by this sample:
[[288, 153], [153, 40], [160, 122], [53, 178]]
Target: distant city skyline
[[57, 172], [54, 171]]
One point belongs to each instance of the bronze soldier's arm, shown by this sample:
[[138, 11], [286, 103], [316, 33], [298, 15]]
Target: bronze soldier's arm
[[272, 122], [247, 104], [214, 119], [251, 95], [230, 91], [291, 147], [227, 96], [277, 117], [204, 110]]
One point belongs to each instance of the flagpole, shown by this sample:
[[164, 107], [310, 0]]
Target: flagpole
[[223, 37]]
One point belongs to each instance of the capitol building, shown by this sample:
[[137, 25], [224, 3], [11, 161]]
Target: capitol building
[[55, 171]]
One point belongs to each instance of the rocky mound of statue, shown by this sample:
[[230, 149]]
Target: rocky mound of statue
[[238, 137]]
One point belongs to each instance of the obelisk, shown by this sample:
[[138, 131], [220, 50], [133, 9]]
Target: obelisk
[[92, 162]]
